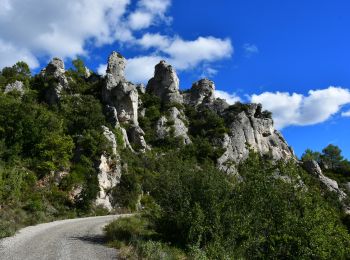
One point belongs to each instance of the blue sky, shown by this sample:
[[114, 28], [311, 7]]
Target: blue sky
[[293, 56]]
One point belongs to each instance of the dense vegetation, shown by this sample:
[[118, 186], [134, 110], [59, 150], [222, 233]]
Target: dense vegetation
[[331, 161], [274, 211], [191, 210], [38, 140]]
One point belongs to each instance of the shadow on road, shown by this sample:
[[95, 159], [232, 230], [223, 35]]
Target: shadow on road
[[94, 239]]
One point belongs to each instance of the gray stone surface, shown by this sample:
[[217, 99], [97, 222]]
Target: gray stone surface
[[202, 91], [173, 124], [109, 172], [165, 83], [314, 169], [56, 70], [118, 92], [250, 131], [137, 137], [15, 86]]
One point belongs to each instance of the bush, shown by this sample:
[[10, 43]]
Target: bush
[[261, 217]]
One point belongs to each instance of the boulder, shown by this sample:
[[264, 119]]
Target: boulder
[[15, 86], [165, 84]]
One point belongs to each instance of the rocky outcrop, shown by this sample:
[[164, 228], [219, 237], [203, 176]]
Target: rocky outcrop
[[173, 125], [250, 130], [137, 138], [109, 172], [165, 84], [202, 91], [17, 86], [314, 169], [55, 69], [118, 92]]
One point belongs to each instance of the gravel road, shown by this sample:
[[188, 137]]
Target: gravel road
[[73, 239]]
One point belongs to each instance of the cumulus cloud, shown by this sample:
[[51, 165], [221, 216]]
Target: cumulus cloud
[[297, 109], [157, 40], [33, 29], [10, 55], [185, 54], [57, 28], [230, 98], [141, 69], [346, 114], [182, 54], [140, 20]]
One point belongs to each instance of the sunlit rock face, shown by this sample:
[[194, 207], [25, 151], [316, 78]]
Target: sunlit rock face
[[120, 93], [177, 128], [109, 172], [55, 70], [165, 84], [251, 130]]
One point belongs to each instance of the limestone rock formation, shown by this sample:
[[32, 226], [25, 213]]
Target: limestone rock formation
[[173, 125], [15, 86], [137, 137], [250, 130], [202, 91], [118, 92], [55, 69], [165, 84], [109, 172], [314, 169]]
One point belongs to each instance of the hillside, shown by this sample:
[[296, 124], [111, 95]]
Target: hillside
[[210, 179]]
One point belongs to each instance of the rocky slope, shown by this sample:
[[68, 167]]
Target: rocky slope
[[248, 127]]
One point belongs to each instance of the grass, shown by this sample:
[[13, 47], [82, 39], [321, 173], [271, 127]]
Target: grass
[[135, 239]]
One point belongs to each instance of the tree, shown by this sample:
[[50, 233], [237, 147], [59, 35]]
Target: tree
[[79, 66], [309, 155], [331, 157]]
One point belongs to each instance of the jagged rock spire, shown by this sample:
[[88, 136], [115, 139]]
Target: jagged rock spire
[[56, 70], [118, 92], [165, 83], [202, 91], [116, 66]]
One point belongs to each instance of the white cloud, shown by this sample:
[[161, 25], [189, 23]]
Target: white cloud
[[182, 54], [148, 13], [186, 54], [157, 40], [10, 55], [155, 6], [346, 114], [230, 98], [57, 28], [296, 109], [140, 20], [141, 69], [250, 49], [101, 69], [34, 29]]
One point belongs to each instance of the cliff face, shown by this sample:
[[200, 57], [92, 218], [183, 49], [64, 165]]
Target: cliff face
[[247, 126], [249, 129]]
